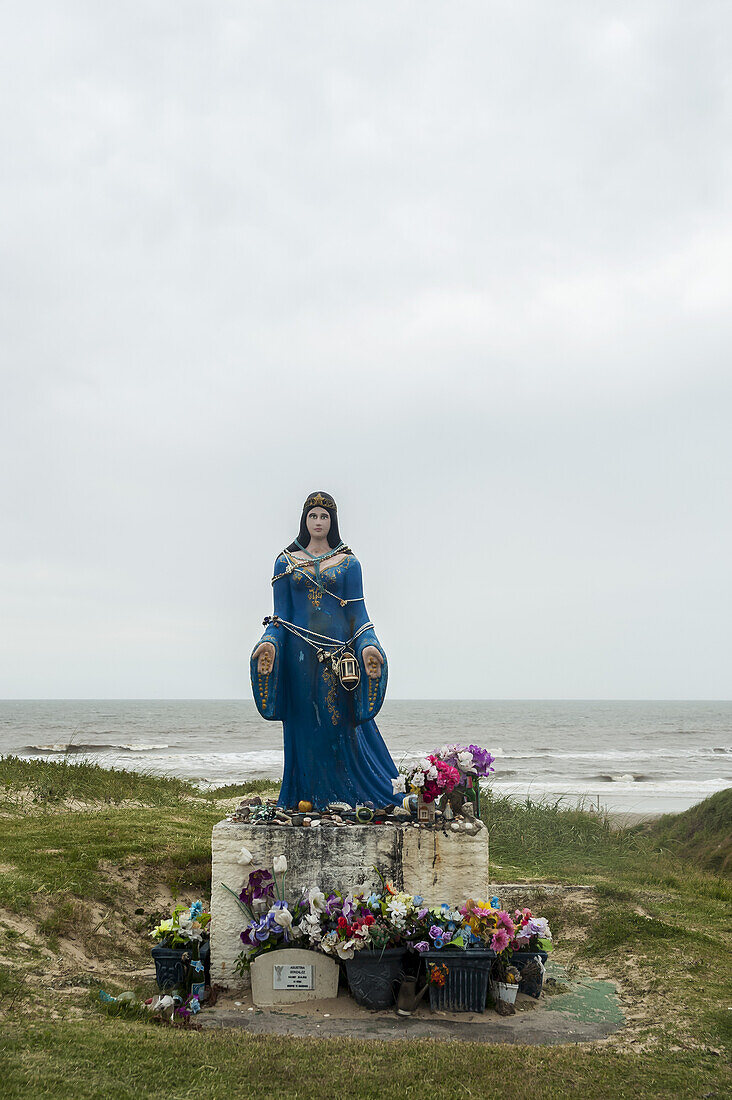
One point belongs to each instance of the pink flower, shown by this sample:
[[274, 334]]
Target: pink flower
[[504, 921], [500, 940]]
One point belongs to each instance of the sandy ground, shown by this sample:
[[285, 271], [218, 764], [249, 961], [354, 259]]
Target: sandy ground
[[621, 819]]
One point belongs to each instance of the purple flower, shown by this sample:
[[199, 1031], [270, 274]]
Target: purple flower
[[422, 914], [259, 885], [333, 905], [482, 760], [435, 932], [422, 946]]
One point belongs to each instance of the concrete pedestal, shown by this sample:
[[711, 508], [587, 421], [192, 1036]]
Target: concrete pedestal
[[440, 866]]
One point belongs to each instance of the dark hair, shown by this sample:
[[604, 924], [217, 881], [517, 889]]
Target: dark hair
[[315, 501]]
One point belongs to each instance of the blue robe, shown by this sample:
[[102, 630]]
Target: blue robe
[[333, 748]]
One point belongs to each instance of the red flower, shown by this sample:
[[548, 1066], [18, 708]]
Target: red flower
[[368, 919], [342, 922]]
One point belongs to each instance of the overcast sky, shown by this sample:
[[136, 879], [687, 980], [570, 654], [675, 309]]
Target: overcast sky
[[466, 266]]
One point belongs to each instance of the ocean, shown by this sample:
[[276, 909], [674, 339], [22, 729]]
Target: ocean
[[645, 757]]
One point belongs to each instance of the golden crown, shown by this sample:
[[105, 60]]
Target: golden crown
[[318, 499]]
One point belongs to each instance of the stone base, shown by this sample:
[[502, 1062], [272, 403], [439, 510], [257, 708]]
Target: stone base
[[439, 866]]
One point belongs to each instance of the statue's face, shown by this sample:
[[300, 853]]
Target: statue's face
[[317, 522]]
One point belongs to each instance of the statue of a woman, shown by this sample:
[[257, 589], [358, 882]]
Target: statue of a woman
[[319, 669]]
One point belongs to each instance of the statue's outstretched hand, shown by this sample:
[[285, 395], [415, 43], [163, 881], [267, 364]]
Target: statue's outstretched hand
[[372, 661], [264, 655]]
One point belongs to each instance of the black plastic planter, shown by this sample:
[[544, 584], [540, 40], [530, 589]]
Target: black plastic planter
[[374, 976], [466, 982], [169, 970], [530, 986]]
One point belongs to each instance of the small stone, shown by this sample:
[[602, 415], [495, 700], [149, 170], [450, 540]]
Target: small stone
[[455, 826], [315, 825], [256, 801], [306, 823]]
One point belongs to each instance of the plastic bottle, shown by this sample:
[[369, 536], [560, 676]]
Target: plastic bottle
[[197, 977]]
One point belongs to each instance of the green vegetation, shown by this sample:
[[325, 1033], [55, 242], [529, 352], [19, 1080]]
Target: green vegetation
[[702, 834], [43, 783], [87, 854]]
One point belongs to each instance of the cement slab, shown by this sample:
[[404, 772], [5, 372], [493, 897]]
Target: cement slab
[[588, 1011]]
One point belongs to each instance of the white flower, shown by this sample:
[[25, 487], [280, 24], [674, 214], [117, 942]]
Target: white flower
[[417, 779], [330, 939], [316, 900], [244, 858], [279, 864], [283, 917], [465, 760], [432, 773], [397, 785], [310, 926], [345, 949], [424, 764], [184, 921]]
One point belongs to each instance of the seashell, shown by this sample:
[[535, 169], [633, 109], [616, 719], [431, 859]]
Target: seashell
[[339, 807]]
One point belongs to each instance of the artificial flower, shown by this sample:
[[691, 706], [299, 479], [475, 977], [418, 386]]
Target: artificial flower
[[500, 940], [244, 858]]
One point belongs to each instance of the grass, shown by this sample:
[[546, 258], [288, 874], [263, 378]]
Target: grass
[[45, 783], [71, 880], [701, 834], [118, 1060]]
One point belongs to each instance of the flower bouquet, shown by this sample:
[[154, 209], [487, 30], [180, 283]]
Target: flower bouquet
[[530, 947], [181, 940], [187, 924], [442, 772], [269, 919], [429, 778]]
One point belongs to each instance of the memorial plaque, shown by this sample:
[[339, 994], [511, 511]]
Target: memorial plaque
[[292, 976]]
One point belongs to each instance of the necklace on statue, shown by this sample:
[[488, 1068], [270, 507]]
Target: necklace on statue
[[319, 557]]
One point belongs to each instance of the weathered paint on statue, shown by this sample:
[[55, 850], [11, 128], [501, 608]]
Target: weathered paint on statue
[[319, 669]]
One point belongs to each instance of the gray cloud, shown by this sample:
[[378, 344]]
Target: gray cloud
[[467, 267]]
